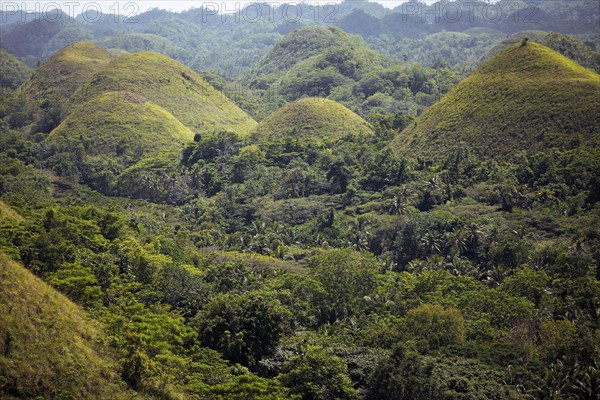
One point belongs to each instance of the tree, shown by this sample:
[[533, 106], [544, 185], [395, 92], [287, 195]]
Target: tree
[[318, 375], [404, 375], [431, 243], [359, 235], [347, 276], [339, 174], [437, 325], [245, 328]]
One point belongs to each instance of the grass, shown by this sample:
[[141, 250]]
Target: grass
[[8, 216], [525, 98], [122, 126], [48, 348], [566, 45], [311, 120], [65, 72], [174, 87], [257, 261]]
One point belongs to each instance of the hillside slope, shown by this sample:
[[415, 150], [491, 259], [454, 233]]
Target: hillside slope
[[56, 80], [174, 87], [311, 120], [112, 132], [47, 346], [314, 61], [527, 97], [566, 45]]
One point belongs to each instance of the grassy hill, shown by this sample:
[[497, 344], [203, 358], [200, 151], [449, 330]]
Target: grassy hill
[[311, 120], [528, 97], [313, 46], [315, 61], [566, 45], [174, 87], [56, 80], [48, 348], [114, 131], [14, 72], [301, 45]]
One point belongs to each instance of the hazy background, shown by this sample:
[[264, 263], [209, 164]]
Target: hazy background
[[144, 5]]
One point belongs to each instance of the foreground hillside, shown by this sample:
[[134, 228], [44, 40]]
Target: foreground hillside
[[526, 98], [49, 349]]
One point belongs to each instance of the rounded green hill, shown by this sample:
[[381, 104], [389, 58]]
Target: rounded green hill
[[56, 80], [121, 127], [566, 45], [173, 86], [526, 98], [314, 48], [299, 45], [311, 120]]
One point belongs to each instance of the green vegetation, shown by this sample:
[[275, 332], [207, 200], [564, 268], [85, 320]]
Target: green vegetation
[[524, 98], [316, 61], [314, 255], [14, 72], [454, 49]]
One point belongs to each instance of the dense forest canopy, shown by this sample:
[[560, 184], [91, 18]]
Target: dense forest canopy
[[301, 201]]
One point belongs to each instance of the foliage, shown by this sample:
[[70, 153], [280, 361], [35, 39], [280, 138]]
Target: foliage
[[243, 327], [14, 72], [436, 325], [317, 374], [310, 261]]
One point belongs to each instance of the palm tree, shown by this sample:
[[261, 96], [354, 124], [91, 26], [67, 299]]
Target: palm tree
[[431, 243], [456, 241], [585, 381], [359, 235], [400, 200], [474, 235], [398, 206], [495, 276], [339, 174]]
